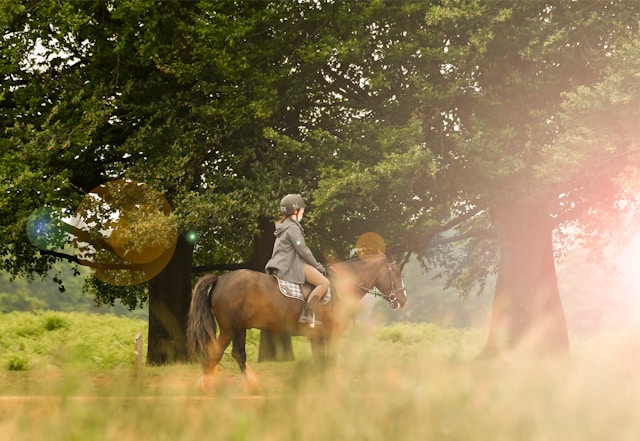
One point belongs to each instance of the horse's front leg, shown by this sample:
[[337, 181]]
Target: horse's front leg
[[331, 351], [319, 351], [239, 354]]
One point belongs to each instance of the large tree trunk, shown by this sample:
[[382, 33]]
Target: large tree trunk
[[169, 298], [527, 312]]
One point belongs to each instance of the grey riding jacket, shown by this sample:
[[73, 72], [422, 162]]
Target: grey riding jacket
[[290, 253]]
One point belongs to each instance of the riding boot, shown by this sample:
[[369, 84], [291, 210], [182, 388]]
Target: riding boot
[[306, 316], [309, 311]]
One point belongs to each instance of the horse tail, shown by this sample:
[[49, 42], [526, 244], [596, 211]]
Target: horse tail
[[201, 329]]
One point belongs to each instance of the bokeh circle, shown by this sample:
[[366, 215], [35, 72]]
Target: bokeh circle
[[125, 231], [370, 243], [47, 230]]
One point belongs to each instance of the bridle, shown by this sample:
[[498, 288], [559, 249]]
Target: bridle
[[391, 296]]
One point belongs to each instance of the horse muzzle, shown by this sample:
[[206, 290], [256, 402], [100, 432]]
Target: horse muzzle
[[394, 302]]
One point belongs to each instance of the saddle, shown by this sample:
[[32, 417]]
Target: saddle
[[299, 291]]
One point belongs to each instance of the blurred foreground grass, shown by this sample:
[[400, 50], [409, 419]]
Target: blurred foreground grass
[[71, 377]]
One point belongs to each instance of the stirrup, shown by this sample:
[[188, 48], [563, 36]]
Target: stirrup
[[308, 317], [314, 322]]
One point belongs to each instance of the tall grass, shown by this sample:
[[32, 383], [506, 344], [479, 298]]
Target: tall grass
[[402, 382]]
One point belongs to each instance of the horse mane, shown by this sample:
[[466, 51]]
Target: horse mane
[[356, 260]]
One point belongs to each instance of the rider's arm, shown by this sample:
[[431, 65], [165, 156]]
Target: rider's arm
[[299, 244]]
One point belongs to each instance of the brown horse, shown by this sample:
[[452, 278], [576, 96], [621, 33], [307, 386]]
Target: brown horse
[[246, 299]]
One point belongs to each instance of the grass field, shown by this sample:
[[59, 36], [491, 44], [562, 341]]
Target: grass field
[[71, 377]]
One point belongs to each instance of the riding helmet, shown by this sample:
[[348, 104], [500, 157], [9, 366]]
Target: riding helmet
[[290, 203]]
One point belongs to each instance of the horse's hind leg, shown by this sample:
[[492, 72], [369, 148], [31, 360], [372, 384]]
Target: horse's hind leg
[[211, 359], [239, 354]]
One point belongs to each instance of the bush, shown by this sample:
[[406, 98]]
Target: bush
[[17, 363], [54, 322]]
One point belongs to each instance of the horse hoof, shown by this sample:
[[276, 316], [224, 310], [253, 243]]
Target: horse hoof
[[252, 384], [254, 388], [206, 384]]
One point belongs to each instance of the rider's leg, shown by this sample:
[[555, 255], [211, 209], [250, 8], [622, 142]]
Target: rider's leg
[[315, 277]]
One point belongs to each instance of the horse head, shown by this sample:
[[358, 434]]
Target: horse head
[[391, 285], [380, 276]]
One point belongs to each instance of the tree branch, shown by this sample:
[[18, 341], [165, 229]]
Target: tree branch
[[58, 255], [219, 267], [473, 234], [414, 246]]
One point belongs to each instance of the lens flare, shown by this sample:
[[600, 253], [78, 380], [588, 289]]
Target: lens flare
[[370, 243], [47, 230], [125, 231], [192, 236]]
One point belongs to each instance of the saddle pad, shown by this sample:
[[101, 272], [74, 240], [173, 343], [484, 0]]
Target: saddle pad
[[294, 291]]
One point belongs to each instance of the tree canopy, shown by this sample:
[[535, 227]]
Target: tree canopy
[[529, 127], [513, 125]]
